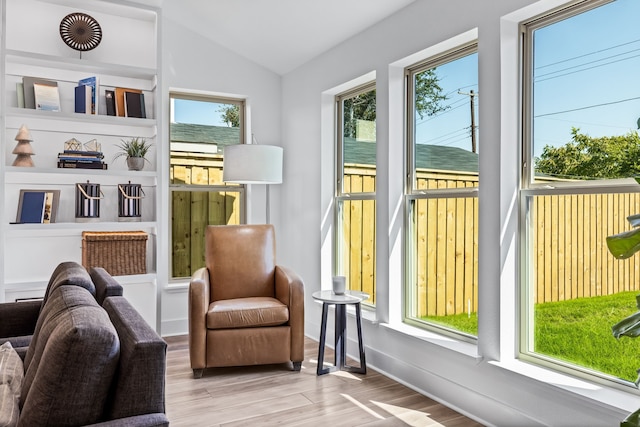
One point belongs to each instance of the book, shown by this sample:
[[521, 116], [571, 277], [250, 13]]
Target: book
[[77, 153], [92, 82], [134, 104], [20, 94], [120, 111], [31, 208], [28, 89], [110, 100], [65, 164], [46, 97], [83, 99]]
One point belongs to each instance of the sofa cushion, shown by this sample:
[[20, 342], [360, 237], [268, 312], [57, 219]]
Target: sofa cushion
[[246, 313], [73, 357], [11, 374], [138, 386], [69, 273]]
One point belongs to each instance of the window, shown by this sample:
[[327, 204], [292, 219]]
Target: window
[[581, 146], [356, 189], [441, 197], [200, 128]]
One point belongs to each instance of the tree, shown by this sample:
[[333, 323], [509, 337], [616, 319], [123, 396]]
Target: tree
[[585, 157], [230, 115], [428, 102]]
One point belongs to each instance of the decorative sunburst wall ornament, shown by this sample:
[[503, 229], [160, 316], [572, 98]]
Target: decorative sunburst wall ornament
[[80, 32]]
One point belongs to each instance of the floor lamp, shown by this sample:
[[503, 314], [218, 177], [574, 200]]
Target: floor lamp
[[253, 164]]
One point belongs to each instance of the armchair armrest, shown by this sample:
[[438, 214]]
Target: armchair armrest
[[290, 291], [19, 318], [199, 291]]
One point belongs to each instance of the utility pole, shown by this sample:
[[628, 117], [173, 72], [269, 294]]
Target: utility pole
[[471, 96]]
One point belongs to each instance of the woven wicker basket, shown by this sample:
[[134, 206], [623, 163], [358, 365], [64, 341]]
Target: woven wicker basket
[[121, 253]]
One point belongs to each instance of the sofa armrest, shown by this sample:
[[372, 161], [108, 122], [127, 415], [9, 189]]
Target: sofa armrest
[[199, 294], [146, 420], [19, 318], [290, 291]]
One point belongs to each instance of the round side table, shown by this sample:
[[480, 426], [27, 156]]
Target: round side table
[[340, 301]]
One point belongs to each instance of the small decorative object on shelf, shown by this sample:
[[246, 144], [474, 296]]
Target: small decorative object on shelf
[[37, 206], [75, 157], [23, 150], [129, 201], [87, 202], [80, 32], [135, 150]]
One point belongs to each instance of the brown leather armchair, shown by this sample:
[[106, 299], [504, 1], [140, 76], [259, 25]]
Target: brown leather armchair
[[243, 308]]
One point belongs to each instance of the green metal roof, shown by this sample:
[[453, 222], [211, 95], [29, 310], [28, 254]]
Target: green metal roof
[[220, 135], [427, 156], [357, 152]]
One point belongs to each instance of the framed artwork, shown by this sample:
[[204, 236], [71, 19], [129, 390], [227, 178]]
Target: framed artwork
[[37, 206]]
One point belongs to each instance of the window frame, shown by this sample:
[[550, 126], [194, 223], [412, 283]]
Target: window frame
[[239, 188], [340, 196], [413, 194], [528, 190]]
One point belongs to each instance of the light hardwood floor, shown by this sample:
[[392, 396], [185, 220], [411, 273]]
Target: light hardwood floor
[[274, 395]]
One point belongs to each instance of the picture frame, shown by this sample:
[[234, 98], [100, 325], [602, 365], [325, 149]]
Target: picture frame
[[37, 206]]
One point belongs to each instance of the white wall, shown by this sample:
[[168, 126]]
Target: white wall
[[190, 62], [483, 381]]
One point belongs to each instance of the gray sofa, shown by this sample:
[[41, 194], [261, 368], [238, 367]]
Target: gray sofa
[[90, 358]]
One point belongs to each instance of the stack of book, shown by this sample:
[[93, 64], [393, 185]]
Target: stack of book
[[81, 159]]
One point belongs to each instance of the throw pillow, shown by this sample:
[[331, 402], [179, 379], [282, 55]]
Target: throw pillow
[[11, 375]]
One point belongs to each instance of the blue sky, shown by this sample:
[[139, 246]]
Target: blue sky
[[197, 112], [586, 71]]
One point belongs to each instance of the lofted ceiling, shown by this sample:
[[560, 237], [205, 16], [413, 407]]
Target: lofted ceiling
[[280, 35]]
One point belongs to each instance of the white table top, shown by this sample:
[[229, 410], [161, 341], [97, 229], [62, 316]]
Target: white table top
[[349, 297]]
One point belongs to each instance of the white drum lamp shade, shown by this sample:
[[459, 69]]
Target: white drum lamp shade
[[252, 164]]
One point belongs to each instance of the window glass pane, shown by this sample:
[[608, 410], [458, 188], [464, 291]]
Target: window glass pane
[[359, 143], [199, 131], [578, 291], [357, 245], [585, 102], [583, 114], [444, 262], [445, 118], [442, 234], [191, 212]]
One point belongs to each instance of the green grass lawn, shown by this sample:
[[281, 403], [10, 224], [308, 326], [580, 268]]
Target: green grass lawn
[[577, 331]]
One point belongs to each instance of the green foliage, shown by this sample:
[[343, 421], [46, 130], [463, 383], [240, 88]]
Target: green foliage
[[133, 147], [585, 157], [429, 96], [230, 115], [428, 102]]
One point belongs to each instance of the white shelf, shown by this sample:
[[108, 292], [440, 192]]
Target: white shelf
[[62, 176], [20, 58]]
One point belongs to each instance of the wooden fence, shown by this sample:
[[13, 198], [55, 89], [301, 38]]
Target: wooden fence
[[192, 211], [570, 258]]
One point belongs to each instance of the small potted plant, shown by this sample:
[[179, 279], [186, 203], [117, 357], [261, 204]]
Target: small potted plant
[[135, 150]]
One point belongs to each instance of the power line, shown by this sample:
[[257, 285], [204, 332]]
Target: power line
[[588, 54], [592, 62], [587, 107], [585, 69]]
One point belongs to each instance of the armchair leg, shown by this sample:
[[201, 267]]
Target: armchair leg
[[197, 373], [297, 366]]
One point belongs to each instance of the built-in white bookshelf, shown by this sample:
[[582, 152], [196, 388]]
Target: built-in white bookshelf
[[127, 57]]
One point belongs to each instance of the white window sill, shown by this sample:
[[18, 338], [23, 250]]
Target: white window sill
[[589, 391], [462, 347]]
